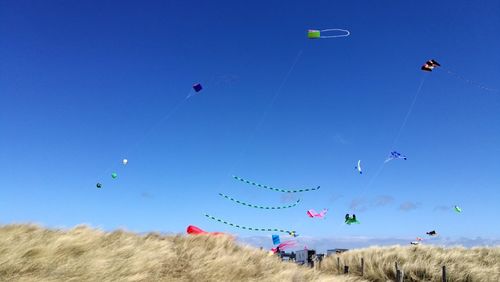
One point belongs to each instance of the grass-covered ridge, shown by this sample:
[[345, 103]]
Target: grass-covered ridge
[[421, 263], [32, 253]]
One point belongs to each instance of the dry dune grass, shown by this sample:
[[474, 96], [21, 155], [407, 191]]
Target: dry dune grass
[[31, 253], [421, 263]]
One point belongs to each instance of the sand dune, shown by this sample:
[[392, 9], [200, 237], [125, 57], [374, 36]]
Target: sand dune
[[421, 263], [31, 253]]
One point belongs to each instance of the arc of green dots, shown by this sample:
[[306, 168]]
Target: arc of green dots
[[274, 189], [259, 207], [290, 232]]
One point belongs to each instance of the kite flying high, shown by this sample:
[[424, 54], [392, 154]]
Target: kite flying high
[[358, 167], [313, 213], [320, 34], [430, 65], [351, 219], [394, 156]]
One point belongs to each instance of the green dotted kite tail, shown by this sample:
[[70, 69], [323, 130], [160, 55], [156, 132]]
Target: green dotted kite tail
[[272, 188], [292, 233], [259, 207]]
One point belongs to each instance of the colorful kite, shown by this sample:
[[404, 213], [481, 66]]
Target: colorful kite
[[320, 34], [98, 185], [259, 207], [313, 213], [358, 167], [114, 175], [193, 230], [276, 239], [351, 220], [275, 189], [283, 246], [430, 65], [290, 232], [394, 156], [458, 209]]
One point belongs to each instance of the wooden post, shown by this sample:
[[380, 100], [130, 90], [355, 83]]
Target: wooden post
[[399, 275], [397, 267], [338, 263], [346, 269], [362, 267], [444, 273]]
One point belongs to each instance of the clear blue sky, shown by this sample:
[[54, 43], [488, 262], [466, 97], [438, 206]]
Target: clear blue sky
[[83, 84]]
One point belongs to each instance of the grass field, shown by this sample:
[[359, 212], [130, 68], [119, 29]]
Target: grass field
[[421, 263], [31, 253]]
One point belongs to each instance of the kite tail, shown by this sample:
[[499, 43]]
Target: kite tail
[[259, 207], [272, 188], [291, 232]]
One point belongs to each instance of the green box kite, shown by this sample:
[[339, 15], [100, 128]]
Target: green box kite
[[313, 34]]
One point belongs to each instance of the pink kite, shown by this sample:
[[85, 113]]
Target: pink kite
[[313, 213], [283, 246], [193, 230]]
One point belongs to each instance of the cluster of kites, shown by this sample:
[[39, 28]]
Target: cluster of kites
[[197, 87], [349, 219], [114, 175]]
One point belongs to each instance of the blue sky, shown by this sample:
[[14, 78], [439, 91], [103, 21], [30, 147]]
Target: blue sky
[[85, 84]]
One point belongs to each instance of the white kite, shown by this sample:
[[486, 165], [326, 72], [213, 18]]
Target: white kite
[[358, 167]]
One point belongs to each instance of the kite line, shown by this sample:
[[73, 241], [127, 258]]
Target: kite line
[[290, 232], [259, 207], [398, 135], [274, 189]]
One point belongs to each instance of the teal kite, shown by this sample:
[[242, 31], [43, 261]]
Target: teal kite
[[458, 209], [274, 189], [351, 219], [114, 175], [259, 207], [290, 232]]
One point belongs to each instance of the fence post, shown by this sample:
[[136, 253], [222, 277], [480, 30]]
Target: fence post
[[399, 275], [362, 267], [444, 273], [346, 269], [397, 267], [338, 263]]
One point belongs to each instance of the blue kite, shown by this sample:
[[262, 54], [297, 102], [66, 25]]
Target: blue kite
[[395, 156]]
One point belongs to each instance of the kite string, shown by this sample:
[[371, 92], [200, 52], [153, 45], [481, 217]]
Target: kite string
[[266, 111], [408, 113], [263, 117], [472, 82], [161, 120], [396, 139]]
